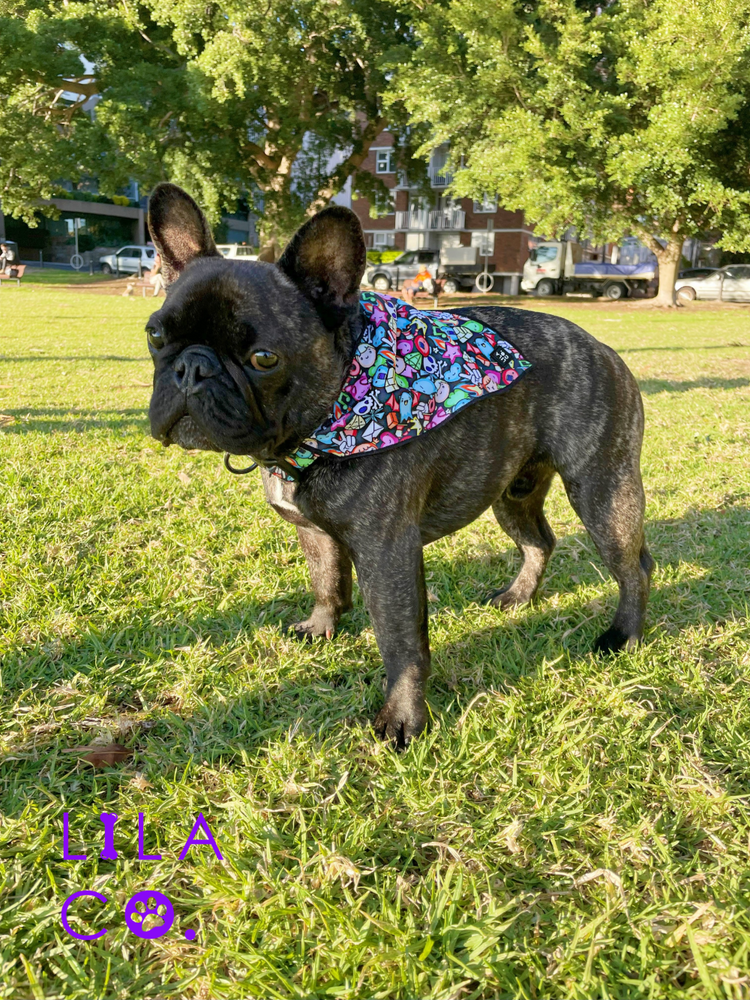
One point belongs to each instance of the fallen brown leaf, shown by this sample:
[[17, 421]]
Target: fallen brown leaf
[[103, 756], [184, 478], [6, 419]]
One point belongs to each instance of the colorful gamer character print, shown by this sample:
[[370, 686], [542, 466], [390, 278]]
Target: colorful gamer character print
[[411, 372]]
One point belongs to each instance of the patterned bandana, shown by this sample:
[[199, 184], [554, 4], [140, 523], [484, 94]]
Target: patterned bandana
[[411, 372]]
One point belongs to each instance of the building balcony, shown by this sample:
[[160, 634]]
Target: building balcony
[[440, 178], [435, 219]]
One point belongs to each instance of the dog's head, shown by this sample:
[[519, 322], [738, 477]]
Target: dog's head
[[250, 356]]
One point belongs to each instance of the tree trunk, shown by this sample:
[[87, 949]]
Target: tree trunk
[[270, 251], [669, 258]]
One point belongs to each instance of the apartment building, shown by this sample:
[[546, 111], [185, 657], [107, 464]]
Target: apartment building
[[101, 225], [500, 235]]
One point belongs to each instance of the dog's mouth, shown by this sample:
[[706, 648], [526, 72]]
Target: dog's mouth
[[187, 434]]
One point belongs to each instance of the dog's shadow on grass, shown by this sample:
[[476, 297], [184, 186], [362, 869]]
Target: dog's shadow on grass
[[702, 561], [74, 419], [654, 386], [41, 357]]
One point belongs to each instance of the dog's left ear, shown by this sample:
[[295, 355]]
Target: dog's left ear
[[179, 229], [326, 260]]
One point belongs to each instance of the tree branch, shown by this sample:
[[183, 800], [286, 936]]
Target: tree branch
[[76, 85], [261, 157]]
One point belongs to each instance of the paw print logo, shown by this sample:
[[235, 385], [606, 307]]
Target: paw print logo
[[149, 914]]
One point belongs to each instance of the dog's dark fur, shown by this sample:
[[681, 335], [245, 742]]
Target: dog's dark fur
[[577, 412]]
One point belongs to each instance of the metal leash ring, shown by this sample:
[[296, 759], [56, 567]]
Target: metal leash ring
[[238, 472]]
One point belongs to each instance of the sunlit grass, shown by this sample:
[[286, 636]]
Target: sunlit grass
[[567, 828]]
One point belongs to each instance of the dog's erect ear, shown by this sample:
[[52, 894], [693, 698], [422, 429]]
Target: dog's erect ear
[[326, 260], [179, 229]]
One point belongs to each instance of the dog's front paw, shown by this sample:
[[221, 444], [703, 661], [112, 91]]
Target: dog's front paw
[[320, 622], [400, 722]]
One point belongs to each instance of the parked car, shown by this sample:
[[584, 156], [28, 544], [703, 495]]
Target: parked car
[[457, 267], [383, 277], [696, 272], [126, 260], [238, 251], [731, 283]]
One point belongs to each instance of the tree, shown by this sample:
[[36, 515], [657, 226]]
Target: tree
[[279, 100], [619, 118]]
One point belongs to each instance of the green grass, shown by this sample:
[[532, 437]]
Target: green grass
[[566, 828]]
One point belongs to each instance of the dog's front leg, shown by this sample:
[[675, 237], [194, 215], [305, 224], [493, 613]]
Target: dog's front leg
[[331, 576], [390, 573], [329, 563]]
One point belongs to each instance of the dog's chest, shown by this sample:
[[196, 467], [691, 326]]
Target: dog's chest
[[280, 494]]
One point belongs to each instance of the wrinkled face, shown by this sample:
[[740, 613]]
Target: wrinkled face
[[224, 313], [249, 357]]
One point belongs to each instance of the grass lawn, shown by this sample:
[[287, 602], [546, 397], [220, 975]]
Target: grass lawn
[[567, 828]]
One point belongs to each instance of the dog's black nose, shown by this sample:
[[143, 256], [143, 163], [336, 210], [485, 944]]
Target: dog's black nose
[[194, 366]]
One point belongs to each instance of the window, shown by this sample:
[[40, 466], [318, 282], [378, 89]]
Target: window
[[543, 255], [406, 258], [383, 239], [449, 240], [426, 257], [245, 251], [634, 252], [128, 252], [150, 252], [487, 204], [385, 161]]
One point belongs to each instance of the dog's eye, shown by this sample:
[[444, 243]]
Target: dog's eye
[[155, 338], [264, 361]]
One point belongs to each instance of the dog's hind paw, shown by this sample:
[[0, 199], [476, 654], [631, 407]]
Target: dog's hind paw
[[614, 639], [318, 624], [505, 598]]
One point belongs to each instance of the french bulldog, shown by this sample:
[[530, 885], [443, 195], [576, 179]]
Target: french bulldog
[[250, 358]]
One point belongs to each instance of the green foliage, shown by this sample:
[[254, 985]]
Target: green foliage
[[568, 827], [101, 199], [627, 117], [382, 256], [223, 98]]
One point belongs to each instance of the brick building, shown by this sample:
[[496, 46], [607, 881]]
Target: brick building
[[447, 222]]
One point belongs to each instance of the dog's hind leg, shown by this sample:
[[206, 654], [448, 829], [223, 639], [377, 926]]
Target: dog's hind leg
[[611, 504], [520, 513], [331, 575]]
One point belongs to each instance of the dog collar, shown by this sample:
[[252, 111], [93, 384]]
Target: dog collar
[[411, 372]]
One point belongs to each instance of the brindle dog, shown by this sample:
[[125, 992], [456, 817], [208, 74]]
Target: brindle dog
[[249, 359]]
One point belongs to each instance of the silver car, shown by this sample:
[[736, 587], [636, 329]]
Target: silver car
[[383, 277], [127, 259], [730, 283]]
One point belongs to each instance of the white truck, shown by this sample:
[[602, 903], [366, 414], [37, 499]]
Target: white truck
[[556, 267]]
